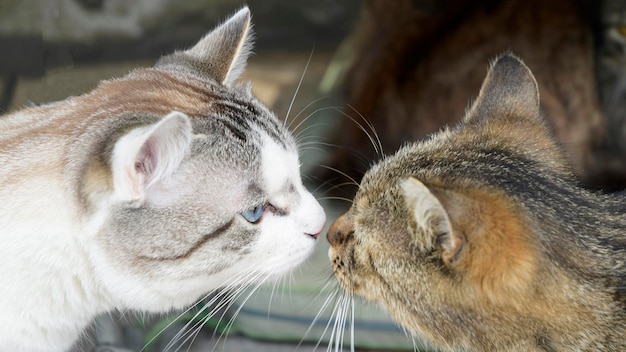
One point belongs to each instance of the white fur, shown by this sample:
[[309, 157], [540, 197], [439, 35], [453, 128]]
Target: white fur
[[286, 239], [48, 292]]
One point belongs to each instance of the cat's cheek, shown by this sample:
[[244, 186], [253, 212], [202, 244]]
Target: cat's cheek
[[281, 246]]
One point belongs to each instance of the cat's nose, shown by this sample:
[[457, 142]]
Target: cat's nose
[[339, 230]]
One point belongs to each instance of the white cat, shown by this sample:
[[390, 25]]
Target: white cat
[[145, 194]]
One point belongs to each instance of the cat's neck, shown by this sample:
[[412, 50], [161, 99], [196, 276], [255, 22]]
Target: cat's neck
[[47, 277], [53, 288]]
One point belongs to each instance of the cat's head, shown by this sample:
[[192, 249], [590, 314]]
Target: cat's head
[[193, 183], [440, 230]]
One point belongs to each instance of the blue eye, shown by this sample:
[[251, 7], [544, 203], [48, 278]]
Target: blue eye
[[253, 215]]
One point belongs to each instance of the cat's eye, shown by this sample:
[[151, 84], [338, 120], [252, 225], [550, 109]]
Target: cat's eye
[[253, 215]]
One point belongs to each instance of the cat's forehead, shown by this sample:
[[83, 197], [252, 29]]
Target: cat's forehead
[[279, 165]]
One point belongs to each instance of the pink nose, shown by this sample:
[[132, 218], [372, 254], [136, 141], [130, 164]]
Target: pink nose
[[319, 227]]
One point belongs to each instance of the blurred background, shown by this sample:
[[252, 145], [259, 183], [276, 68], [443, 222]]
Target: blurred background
[[52, 49]]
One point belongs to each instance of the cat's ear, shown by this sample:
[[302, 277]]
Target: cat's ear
[[432, 219], [222, 54], [509, 89], [148, 155]]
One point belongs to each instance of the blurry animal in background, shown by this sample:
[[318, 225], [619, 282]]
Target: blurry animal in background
[[415, 65]]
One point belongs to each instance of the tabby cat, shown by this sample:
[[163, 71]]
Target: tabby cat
[[481, 239], [145, 194]]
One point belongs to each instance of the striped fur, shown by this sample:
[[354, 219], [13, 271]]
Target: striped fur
[[481, 239], [131, 196]]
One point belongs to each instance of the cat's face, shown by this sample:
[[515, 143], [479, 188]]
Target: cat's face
[[435, 232], [201, 186]]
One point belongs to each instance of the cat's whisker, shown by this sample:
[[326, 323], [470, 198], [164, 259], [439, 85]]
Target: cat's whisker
[[328, 283], [339, 185], [347, 200], [352, 323], [341, 173], [284, 290], [269, 303], [334, 337], [220, 297], [298, 87], [311, 146], [311, 141], [235, 295], [306, 118], [193, 334], [344, 314], [358, 156], [291, 282], [338, 315], [197, 332], [415, 348], [340, 323], [326, 182], [186, 331], [236, 280], [223, 305], [364, 130], [371, 126], [305, 140], [182, 331], [261, 281], [172, 322], [257, 278], [299, 135], [305, 108], [332, 296], [322, 309]]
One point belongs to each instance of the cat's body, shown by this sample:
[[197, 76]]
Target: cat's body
[[481, 239], [146, 194]]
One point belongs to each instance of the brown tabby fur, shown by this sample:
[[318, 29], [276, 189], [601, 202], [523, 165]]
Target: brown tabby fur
[[481, 239], [416, 64]]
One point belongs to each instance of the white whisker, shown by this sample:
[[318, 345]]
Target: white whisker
[[344, 199], [298, 87], [172, 322], [311, 114], [341, 173], [339, 185], [352, 324], [375, 145], [269, 303], [371, 126], [236, 313], [316, 318], [342, 326], [219, 297], [332, 296], [304, 109], [334, 336]]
